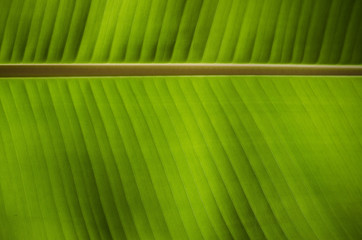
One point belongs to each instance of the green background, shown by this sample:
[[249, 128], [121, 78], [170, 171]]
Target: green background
[[240, 157], [181, 158], [237, 31]]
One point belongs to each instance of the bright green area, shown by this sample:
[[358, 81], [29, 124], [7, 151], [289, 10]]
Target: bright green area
[[182, 31], [181, 158]]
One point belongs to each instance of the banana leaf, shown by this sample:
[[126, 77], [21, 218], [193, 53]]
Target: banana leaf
[[202, 157], [181, 158], [182, 31]]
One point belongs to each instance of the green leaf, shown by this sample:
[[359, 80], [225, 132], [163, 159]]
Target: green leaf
[[182, 31], [181, 158]]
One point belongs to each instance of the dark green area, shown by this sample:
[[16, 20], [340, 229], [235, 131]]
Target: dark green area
[[182, 31]]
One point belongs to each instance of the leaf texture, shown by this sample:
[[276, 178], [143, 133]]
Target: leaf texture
[[182, 31], [181, 158]]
